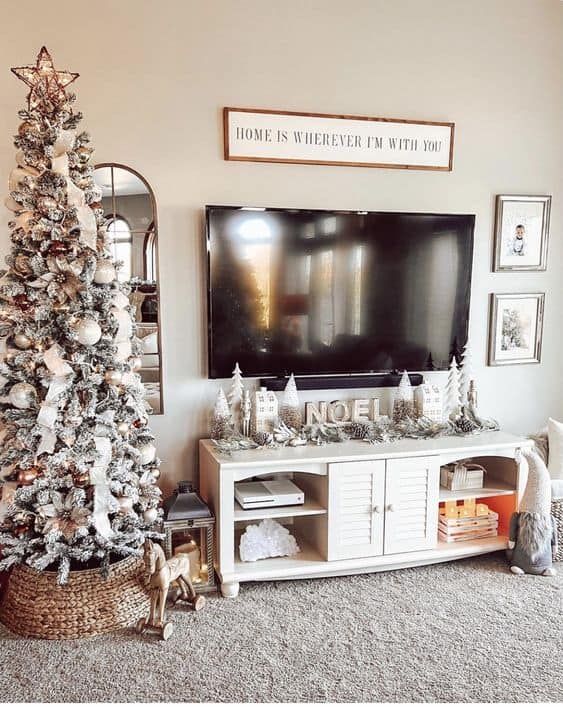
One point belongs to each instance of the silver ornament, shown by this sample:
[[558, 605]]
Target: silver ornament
[[22, 395], [112, 377], [88, 331], [105, 272], [22, 341]]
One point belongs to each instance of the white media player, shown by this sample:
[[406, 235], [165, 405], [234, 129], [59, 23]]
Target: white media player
[[261, 494]]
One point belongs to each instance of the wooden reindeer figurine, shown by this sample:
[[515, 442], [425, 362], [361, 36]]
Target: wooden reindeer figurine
[[162, 573]]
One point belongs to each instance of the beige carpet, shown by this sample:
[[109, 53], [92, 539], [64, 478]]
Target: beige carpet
[[464, 631]]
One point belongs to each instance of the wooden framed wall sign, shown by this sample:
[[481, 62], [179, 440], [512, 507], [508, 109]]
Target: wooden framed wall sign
[[315, 138]]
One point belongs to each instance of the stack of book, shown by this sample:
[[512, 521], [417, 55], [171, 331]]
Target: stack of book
[[452, 530]]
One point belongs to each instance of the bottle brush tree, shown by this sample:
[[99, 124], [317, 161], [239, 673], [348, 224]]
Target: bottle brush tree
[[78, 464]]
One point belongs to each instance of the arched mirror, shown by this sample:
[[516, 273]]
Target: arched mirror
[[130, 209]]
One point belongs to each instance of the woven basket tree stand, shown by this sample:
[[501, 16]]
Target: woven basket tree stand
[[36, 606]]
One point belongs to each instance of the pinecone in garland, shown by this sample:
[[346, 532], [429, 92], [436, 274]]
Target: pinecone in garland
[[291, 416], [263, 439], [464, 424], [361, 430]]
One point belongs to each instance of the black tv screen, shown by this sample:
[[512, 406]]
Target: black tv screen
[[329, 292]]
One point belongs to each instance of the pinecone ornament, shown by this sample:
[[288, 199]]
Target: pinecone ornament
[[361, 430], [263, 439], [464, 424]]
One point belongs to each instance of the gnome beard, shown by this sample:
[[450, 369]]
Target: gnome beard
[[534, 534]]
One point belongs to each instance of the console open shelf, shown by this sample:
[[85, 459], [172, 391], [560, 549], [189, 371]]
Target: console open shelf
[[493, 488], [309, 508]]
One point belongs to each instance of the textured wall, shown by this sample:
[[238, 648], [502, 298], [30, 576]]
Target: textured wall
[[156, 75]]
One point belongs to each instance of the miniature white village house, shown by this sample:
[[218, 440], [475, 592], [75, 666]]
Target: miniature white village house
[[428, 402], [265, 410]]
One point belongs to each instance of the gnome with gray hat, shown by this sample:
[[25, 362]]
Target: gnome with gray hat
[[532, 541]]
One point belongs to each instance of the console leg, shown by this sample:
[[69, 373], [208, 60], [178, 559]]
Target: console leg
[[229, 589]]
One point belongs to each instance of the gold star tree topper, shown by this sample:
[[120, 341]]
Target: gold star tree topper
[[47, 85]]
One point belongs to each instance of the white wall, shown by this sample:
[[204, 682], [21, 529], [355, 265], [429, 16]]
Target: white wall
[[154, 77]]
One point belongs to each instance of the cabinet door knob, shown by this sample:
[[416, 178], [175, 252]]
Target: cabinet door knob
[[391, 507], [377, 509]]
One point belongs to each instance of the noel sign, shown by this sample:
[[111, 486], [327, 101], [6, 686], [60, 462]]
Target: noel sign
[[318, 138]]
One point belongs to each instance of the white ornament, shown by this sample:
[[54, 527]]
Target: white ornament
[[88, 331], [148, 453], [269, 539], [150, 515], [22, 395], [105, 272]]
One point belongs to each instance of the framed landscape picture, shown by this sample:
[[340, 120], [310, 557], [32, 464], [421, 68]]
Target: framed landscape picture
[[515, 328], [521, 233]]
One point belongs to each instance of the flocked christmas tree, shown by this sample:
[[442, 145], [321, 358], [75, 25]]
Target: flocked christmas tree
[[452, 404], [466, 374], [78, 464], [290, 411], [221, 418], [235, 395], [403, 405]]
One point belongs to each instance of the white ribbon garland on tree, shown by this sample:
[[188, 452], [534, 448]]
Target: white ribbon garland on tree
[[102, 494], [49, 409]]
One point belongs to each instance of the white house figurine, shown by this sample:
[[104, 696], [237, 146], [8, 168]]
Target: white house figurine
[[428, 402], [265, 410]]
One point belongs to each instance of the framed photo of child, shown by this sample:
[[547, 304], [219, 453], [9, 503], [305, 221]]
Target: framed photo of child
[[521, 233]]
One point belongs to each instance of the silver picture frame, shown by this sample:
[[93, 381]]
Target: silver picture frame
[[521, 233], [515, 328]]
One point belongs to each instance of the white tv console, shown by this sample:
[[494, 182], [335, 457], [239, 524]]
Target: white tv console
[[367, 507]]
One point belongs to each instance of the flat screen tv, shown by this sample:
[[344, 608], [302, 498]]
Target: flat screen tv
[[333, 292]]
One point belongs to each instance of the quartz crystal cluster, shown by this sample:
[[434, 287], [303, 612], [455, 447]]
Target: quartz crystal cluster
[[268, 539]]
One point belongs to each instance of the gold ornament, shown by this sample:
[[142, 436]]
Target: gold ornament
[[47, 85], [83, 154], [81, 478], [22, 266], [27, 476], [113, 377], [123, 428], [22, 341], [29, 127]]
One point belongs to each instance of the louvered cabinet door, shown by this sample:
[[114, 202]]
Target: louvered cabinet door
[[412, 489], [356, 509]]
